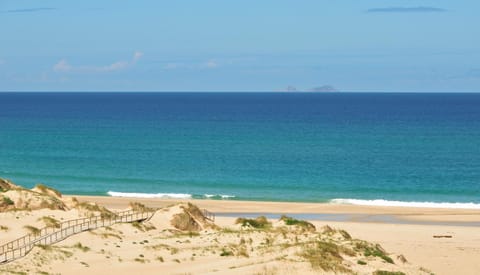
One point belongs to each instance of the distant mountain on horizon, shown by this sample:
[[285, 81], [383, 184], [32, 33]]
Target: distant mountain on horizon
[[319, 89]]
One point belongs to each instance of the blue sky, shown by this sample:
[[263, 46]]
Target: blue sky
[[218, 45]]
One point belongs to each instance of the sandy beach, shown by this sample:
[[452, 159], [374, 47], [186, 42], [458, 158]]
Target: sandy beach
[[455, 255], [411, 240]]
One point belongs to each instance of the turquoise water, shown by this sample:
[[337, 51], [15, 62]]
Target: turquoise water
[[246, 146]]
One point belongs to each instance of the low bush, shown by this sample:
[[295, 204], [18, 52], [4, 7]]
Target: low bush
[[260, 222]]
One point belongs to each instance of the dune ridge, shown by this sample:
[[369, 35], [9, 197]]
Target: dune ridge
[[179, 239]]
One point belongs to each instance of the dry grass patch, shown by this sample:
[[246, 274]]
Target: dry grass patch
[[144, 227], [325, 256], [184, 222], [47, 190], [50, 222], [374, 250], [189, 234], [160, 259], [192, 219], [32, 230], [173, 250], [383, 272], [304, 225], [81, 247], [136, 206], [50, 252], [93, 208], [260, 222], [106, 235]]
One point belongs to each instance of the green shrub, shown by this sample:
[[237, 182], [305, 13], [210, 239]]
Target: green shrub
[[259, 222], [304, 224], [226, 253], [377, 251], [7, 201], [326, 256]]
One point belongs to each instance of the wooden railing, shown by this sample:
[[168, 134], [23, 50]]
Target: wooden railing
[[50, 235], [209, 215]]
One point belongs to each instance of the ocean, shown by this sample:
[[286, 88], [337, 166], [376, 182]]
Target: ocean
[[412, 149]]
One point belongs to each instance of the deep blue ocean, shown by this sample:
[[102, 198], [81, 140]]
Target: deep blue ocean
[[312, 147]]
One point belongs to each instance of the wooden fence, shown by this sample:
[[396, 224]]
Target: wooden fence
[[50, 235], [209, 215]]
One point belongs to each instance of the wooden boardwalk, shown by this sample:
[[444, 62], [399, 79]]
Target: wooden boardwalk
[[208, 215], [49, 235]]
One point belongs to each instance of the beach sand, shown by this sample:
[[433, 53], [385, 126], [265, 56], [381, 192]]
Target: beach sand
[[127, 249], [456, 255]]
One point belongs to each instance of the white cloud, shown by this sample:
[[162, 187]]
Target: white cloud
[[210, 64], [136, 56], [117, 66], [64, 66]]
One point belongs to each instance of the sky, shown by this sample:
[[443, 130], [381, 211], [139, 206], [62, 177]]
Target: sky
[[248, 45]]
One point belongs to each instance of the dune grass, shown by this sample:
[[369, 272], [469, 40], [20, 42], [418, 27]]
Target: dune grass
[[184, 222], [144, 227], [375, 251], [136, 206], [93, 207], [50, 222], [45, 189], [226, 253], [383, 272], [7, 201], [325, 256], [300, 223], [81, 247], [108, 235], [260, 222], [32, 229]]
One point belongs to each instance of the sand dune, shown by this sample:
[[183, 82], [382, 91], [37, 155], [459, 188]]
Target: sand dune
[[178, 239]]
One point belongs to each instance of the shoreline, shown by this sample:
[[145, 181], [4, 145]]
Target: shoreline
[[317, 211], [442, 241], [415, 236]]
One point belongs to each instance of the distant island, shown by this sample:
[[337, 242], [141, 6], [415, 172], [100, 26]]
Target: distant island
[[324, 88], [319, 89]]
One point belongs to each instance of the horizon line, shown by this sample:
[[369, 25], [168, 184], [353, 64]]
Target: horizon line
[[278, 92]]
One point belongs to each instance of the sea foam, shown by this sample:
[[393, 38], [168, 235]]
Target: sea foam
[[168, 195], [149, 195], [223, 197], [379, 202]]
